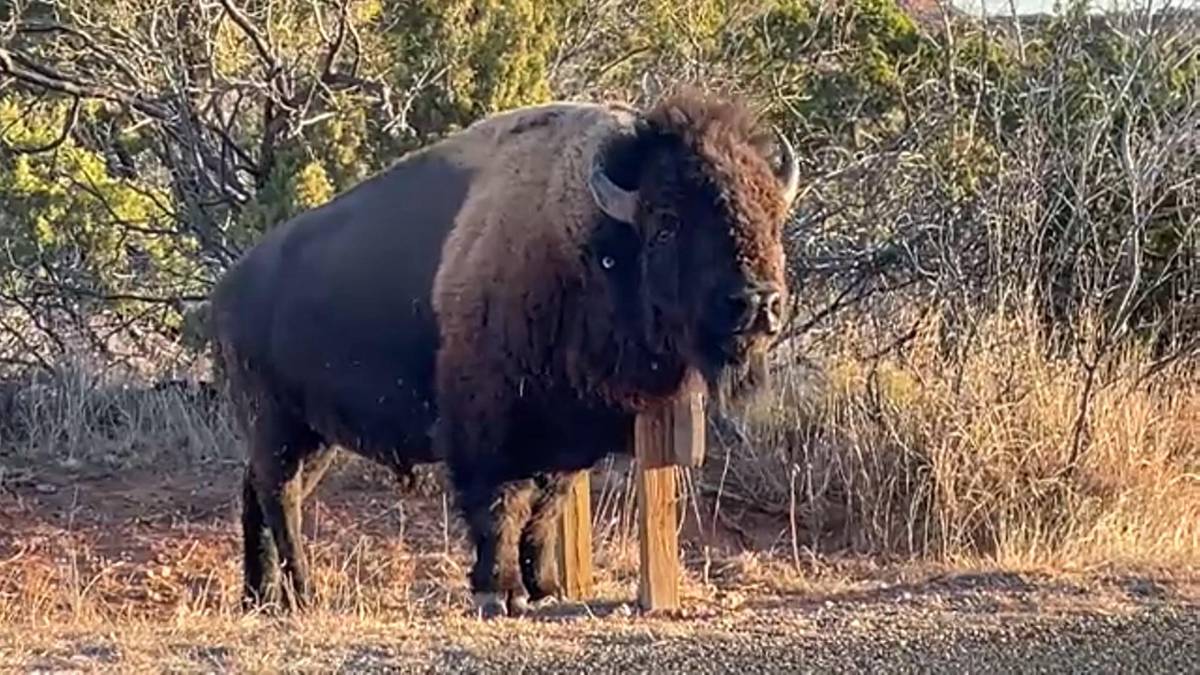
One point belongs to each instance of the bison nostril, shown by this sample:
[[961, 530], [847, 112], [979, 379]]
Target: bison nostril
[[755, 309], [742, 307], [774, 304], [770, 311]]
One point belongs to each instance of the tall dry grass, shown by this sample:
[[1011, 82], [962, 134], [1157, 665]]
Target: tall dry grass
[[1002, 453], [76, 416]]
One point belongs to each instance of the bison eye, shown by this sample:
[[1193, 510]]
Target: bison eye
[[607, 262], [664, 236]]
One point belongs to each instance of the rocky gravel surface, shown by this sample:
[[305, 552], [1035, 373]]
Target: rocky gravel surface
[[951, 632], [1165, 640]]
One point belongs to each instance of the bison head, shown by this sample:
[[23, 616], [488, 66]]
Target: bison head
[[704, 194]]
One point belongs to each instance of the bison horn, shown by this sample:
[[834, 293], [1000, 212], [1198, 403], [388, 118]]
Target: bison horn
[[789, 169], [616, 202]]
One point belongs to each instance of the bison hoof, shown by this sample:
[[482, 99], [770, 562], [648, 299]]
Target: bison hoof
[[489, 605], [518, 604], [543, 595], [547, 600]]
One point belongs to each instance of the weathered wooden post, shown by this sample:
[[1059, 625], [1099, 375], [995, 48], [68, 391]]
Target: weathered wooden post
[[663, 440], [575, 540]]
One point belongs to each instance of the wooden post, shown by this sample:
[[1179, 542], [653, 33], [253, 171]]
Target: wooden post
[[575, 540], [663, 440], [687, 423]]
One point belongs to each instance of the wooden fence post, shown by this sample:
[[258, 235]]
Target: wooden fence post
[[664, 440], [575, 540]]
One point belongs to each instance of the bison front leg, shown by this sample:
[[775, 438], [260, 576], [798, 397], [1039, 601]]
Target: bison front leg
[[472, 435], [496, 516]]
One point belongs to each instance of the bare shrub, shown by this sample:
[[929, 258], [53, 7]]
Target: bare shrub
[[992, 353]]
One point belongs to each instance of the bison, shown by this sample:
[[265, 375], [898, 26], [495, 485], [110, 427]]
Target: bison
[[504, 300]]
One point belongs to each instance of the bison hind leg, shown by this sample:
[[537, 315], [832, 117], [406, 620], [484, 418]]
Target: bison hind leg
[[539, 539], [286, 462], [260, 558]]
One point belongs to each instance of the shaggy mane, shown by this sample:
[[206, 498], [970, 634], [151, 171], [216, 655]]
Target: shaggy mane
[[701, 119]]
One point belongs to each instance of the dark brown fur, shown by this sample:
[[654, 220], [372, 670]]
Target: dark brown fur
[[477, 283]]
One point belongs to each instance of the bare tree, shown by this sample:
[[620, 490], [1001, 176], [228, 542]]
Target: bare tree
[[209, 91]]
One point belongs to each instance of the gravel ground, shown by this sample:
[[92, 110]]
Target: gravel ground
[[1162, 640]]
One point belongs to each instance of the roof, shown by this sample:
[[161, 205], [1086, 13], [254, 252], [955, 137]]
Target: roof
[[929, 15]]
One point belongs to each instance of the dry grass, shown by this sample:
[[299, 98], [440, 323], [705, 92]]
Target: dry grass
[[968, 457], [77, 418]]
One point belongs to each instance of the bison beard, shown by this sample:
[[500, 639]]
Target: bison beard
[[505, 300]]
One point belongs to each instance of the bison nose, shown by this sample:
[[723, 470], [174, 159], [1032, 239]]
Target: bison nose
[[757, 310]]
